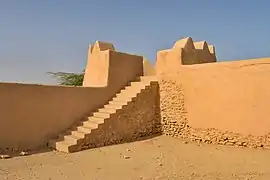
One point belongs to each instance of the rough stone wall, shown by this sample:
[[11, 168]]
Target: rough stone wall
[[174, 120], [133, 121], [172, 107]]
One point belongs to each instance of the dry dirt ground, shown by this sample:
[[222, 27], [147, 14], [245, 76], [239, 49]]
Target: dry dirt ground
[[160, 158]]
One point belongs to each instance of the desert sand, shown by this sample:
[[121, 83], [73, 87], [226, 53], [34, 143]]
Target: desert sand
[[158, 158]]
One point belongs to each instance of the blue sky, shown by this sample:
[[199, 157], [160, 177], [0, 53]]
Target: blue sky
[[53, 35]]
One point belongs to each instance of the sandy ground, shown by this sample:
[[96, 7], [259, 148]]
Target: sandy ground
[[160, 158]]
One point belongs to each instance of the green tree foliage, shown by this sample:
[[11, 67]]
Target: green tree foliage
[[68, 79]]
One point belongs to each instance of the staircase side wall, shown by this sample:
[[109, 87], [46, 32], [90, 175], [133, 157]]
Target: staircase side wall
[[123, 68], [137, 119]]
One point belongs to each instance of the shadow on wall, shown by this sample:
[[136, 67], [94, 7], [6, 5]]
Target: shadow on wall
[[158, 126], [148, 68]]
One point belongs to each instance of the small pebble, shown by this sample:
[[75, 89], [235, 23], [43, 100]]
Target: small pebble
[[126, 157], [4, 156], [23, 153]]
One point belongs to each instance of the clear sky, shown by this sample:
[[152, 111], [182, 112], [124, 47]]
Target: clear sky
[[37, 36]]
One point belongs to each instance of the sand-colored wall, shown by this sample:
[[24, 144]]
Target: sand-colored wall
[[33, 114], [124, 68], [148, 68], [218, 102], [184, 52], [223, 103], [107, 67], [231, 96]]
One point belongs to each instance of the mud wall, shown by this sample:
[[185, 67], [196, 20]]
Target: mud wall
[[184, 52], [223, 103], [148, 68], [109, 68], [33, 114]]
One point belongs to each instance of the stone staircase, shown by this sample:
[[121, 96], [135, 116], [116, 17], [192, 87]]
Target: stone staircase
[[129, 115]]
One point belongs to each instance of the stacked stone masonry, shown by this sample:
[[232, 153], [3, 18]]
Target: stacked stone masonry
[[127, 117], [174, 121]]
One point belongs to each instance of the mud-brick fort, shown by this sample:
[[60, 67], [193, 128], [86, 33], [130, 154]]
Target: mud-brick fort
[[185, 94]]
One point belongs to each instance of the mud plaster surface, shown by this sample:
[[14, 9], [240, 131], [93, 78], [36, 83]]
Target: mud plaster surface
[[174, 121]]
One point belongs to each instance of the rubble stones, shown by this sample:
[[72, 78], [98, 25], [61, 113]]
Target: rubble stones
[[174, 122], [23, 153]]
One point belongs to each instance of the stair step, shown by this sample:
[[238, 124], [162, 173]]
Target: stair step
[[105, 110], [67, 142], [84, 129], [90, 125], [147, 78], [60, 145], [132, 88], [77, 133], [137, 84], [130, 91], [101, 115], [127, 88], [69, 138], [127, 95], [113, 106], [96, 120], [123, 98], [122, 103]]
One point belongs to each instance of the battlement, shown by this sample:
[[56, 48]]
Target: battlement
[[101, 46], [108, 68], [185, 52], [188, 45]]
